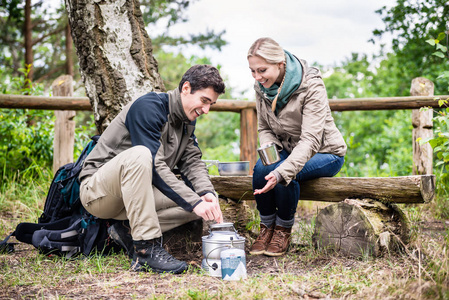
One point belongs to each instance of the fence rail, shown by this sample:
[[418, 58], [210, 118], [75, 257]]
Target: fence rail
[[352, 104], [421, 96]]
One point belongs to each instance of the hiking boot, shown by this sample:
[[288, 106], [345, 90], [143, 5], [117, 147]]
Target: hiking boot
[[279, 242], [120, 233], [151, 256], [261, 243]]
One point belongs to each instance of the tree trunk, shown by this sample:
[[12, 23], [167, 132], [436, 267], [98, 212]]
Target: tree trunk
[[361, 227], [28, 42], [115, 54], [68, 51]]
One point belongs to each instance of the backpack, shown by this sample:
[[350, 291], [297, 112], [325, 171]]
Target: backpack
[[63, 195], [65, 228]]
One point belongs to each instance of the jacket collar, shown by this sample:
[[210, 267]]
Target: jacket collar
[[177, 114]]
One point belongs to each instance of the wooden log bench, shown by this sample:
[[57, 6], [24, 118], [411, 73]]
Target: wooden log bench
[[365, 219]]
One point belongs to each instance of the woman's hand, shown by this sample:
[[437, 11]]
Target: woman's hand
[[271, 183], [265, 144]]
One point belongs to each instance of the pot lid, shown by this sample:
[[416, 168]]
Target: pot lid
[[224, 232]]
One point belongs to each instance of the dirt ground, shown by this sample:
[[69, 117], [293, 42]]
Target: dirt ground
[[266, 275]]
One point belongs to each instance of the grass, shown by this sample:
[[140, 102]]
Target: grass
[[23, 195], [421, 271]]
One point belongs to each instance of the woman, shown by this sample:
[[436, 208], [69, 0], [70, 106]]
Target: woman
[[293, 112]]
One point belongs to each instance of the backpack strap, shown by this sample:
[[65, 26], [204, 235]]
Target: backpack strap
[[64, 242], [6, 247], [24, 231], [89, 233], [66, 249]]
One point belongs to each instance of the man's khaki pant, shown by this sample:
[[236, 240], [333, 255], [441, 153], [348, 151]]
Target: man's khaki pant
[[121, 189]]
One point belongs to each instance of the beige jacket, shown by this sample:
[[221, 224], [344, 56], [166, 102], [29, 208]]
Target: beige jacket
[[157, 121], [303, 127]]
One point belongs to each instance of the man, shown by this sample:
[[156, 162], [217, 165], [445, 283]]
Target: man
[[129, 174]]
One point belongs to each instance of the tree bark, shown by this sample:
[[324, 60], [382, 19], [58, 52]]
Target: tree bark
[[68, 51], [115, 54], [361, 228], [28, 42]]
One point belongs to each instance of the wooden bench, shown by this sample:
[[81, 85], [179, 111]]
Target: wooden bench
[[364, 221], [402, 189]]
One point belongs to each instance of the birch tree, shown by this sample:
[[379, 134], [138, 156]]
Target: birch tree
[[115, 54]]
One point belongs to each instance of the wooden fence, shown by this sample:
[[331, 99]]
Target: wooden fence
[[422, 95]]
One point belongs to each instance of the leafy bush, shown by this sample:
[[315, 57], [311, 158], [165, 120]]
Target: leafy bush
[[26, 136]]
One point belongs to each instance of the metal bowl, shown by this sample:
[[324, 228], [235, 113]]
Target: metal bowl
[[235, 168]]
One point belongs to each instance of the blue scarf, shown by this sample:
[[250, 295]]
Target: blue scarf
[[293, 78]]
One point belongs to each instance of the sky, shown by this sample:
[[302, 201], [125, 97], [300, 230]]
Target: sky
[[321, 31]]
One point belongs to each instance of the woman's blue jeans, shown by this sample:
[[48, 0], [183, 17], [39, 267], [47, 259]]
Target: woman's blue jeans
[[283, 200]]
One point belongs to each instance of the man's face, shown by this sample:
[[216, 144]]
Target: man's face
[[197, 103]]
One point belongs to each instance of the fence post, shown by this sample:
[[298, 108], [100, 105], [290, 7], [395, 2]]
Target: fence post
[[64, 139], [248, 136], [422, 128]]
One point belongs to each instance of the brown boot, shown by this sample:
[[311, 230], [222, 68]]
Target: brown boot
[[261, 243], [279, 242]]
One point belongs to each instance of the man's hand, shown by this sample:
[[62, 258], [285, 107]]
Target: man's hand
[[271, 183], [209, 209]]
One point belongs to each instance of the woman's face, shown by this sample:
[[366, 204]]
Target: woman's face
[[265, 73]]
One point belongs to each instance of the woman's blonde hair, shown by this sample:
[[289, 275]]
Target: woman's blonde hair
[[268, 49]]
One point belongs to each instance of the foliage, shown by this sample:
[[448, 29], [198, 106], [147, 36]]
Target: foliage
[[408, 22], [23, 144], [26, 135], [11, 19], [166, 13], [48, 37], [209, 39], [379, 142], [26, 139], [171, 67]]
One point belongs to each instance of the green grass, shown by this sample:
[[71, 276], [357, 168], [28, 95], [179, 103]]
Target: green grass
[[420, 271], [22, 195]]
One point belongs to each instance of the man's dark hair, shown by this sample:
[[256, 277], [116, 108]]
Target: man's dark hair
[[201, 77]]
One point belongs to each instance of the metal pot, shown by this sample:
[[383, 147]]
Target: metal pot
[[236, 168], [269, 154], [221, 237]]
